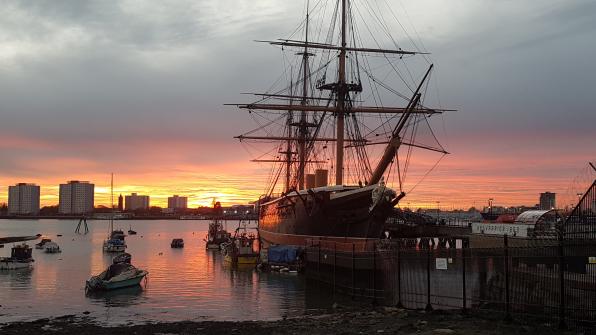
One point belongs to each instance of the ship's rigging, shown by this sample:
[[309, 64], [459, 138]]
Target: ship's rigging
[[333, 114]]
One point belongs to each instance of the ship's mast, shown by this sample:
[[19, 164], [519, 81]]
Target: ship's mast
[[303, 130], [298, 130], [112, 202], [395, 141], [339, 164], [288, 151]]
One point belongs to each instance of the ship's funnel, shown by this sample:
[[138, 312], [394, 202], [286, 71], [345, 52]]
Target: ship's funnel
[[321, 177], [310, 180]]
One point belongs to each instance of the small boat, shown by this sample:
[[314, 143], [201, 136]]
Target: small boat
[[41, 244], [130, 231], [115, 242], [177, 243], [240, 249], [118, 275], [216, 235], [20, 258], [52, 248]]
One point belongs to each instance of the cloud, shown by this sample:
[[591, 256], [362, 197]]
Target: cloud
[[138, 87]]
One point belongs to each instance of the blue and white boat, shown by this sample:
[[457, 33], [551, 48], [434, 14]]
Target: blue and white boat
[[115, 241]]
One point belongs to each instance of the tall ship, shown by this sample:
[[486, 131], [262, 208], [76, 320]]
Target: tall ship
[[342, 110]]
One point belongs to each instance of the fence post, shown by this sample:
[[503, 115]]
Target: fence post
[[463, 275], [319, 263], [374, 274], [562, 324], [429, 307], [506, 264], [399, 304], [334, 265], [353, 270]]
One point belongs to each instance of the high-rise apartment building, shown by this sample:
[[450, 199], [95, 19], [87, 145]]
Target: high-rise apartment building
[[547, 201], [76, 197], [134, 201], [177, 202], [23, 199], [120, 203]]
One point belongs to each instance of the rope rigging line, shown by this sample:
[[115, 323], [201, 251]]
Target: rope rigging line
[[427, 173]]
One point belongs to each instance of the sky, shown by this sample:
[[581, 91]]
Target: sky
[[137, 88]]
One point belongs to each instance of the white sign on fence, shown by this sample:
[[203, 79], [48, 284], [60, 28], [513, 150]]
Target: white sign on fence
[[592, 260], [520, 230], [441, 263]]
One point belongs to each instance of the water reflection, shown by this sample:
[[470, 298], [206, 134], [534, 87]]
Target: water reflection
[[183, 284], [118, 298], [16, 279]]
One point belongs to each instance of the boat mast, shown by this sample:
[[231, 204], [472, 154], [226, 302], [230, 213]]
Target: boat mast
[[112, 202], [341, 91], [395, 141], [303, 131], [288, 152]]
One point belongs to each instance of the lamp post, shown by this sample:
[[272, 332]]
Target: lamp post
[[490, 206]]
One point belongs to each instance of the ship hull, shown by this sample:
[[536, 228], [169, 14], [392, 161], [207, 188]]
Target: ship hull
[[348, 217]]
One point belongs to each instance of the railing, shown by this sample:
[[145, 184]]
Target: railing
[[554, 283]]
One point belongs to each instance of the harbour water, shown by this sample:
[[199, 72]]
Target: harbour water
[[183, 284]]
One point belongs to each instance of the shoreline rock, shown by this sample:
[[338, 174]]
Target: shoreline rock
[[372, 321]]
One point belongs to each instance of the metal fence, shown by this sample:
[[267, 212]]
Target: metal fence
[[551, 281], [581, 223]]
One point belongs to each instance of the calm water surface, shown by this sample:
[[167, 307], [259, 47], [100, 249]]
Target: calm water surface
[[183, 284]]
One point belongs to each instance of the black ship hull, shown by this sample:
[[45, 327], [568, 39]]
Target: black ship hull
[[347, 215]]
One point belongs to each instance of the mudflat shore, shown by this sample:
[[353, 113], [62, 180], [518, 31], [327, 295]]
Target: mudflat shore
[[377, 321]]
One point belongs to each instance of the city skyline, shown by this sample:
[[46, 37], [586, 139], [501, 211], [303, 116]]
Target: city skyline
[[153, 90], [193, 201]]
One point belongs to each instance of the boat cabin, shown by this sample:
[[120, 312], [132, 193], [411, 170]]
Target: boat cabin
[[177, 243]]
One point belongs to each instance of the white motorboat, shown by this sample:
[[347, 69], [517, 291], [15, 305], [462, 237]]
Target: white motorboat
[[52, 248]]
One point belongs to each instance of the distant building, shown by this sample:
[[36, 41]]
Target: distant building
[[120, 203], [23, 199], [177, 202], [134, 201], [76, 197], [547, 201]]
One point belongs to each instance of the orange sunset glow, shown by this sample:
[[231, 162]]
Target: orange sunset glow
[[155, 115]]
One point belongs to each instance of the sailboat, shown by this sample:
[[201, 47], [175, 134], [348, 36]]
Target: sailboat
[[115, 241], [320, 121]]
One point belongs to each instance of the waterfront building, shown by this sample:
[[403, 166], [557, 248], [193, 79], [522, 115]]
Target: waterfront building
[[134, 201], [76, 197], [120, 203], [177, 202], [23, 199], [547, 201]]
